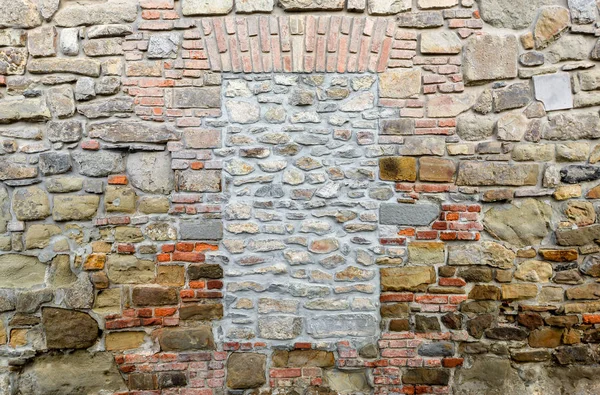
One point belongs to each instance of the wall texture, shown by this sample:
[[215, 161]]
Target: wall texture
[[209, 197]]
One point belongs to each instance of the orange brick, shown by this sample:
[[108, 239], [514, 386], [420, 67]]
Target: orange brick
[[118, 179]]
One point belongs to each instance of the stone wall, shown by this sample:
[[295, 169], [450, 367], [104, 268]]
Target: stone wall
[[202, 197]]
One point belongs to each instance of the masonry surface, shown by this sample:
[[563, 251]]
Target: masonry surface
[[210, 197]]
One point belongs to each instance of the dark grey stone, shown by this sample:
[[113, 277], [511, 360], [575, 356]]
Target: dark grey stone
[[54, 163], [201, 229], [64, 131], [437, 349], [515, 96], [575, 174], [420, 20], [98, 163], [196, 97], [532, 58], [407, 214]]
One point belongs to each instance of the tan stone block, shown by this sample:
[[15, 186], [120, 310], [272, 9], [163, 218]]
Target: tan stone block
[[118, 341], [436, 169], [398, 168]]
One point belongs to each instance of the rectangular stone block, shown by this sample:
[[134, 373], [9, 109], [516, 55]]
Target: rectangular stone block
[[201, 229], [474, 173], [209, 97], [407, 214], [415, 278], [342, 325]]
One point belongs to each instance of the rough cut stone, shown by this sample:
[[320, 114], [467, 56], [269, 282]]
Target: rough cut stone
[[388, 7], [82, 66], [184, 339], [209, 97], [483, 62], [280, 327], [127, 132], [61, 102], [511, 15], [340, 325], [550, 24], [103, 47], [98, 163], [68, 328], [42, 41], [522, 225], [446, 106], [407, 278], [114, 11], [13, 61], [566, 126], [399, 84], [398, 169], [420, 20], [164, 46], [440, 43], [75, 207], [52, 373], [54, 163], [582, 11], [103, 108], [249, 6], [21, 271], [32, 110], [311, 5], [151, 172], [30, 203], [20, 13], [485, 253], [246, 370], [64, 131], [495, 173]]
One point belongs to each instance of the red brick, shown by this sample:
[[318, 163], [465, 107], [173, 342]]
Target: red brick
[[452, 282], [591, 318], [452, 362], [117, 179], [285, 373], [397, 297], [188, 256], [92, 145]]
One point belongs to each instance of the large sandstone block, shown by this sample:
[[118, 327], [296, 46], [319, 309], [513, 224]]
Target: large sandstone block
[[110, 12], [30, 203], [206, 7], [342, 325], [75, 207], [184, 339], [21, 271], [127, 269], [20, 13], [151, 172], [246, 370], [52, 373], [399, 84], [484, 253], [82, 66], [415, 278], [68, 328], [311, 5], [482, 61], [520, 225], [481, 173], [27, 109], [510, 14]]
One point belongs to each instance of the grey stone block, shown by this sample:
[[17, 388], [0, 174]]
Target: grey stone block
[[201, 229], [554, 90], [407, 214], [342, 325]]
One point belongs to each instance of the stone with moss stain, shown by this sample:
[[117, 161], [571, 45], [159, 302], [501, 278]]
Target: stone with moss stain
[[75, 207], [398, 168]]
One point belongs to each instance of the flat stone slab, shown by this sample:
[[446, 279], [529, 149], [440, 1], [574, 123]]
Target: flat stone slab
[[407, 214], [554, 90]]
